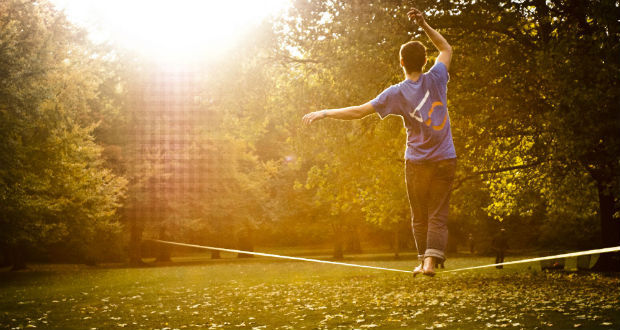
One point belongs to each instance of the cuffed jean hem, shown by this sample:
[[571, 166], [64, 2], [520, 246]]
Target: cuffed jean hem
[[435, 253]]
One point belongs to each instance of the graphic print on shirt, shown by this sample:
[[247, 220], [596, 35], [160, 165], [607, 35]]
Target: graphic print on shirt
[[418, 116], [430, 112], [416, 113]]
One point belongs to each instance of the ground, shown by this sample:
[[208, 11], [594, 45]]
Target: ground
[[263, 293]]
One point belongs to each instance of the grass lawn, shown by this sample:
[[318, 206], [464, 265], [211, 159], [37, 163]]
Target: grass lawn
[[262, 293]]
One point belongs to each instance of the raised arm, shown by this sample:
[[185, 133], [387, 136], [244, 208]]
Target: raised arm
[[348, 113], [445, 50]]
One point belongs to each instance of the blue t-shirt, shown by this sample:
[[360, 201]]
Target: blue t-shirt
[[423, 106]]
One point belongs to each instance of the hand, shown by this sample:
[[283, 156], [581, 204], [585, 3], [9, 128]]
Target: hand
[[311, 117], [416, 15]]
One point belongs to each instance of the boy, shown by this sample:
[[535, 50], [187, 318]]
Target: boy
[[430, 157]]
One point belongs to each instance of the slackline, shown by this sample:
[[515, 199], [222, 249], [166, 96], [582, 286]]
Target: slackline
[[557, 256], [279, 256]]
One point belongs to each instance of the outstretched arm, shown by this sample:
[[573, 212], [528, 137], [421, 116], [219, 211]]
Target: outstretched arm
[[348, 113], [445, 50]]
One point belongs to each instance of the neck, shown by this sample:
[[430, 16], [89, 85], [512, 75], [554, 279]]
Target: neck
[[413, 76]]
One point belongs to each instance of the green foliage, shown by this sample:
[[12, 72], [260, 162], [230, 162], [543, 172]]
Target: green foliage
[[53, 183], [529, 102], [535, 93], [230, 160], [533, 102], [348, 55]]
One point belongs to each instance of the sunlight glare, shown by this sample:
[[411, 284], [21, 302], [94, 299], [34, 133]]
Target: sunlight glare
[[179, 30]]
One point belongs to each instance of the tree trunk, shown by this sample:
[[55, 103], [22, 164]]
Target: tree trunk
[[452, 243], [246, 243], [6, 256], [610, 230], [163, 250], [396, 242], [135, 244], [18, 259], [353, 241], [338, 250]]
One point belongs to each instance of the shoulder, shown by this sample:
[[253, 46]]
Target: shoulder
[[394, 88], [389, 101], [391, 91], [438, 68], [438, 72], [397, 89]]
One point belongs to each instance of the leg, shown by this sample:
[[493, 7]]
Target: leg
[[438, 206], [417, 178]]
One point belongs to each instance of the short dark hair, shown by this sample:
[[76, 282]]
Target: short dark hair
[[413, 55]]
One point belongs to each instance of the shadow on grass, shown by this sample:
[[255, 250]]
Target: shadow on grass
[[23, 277]]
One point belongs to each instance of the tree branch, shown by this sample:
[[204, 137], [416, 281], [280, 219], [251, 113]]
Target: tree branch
[[459, 182], [291, 59]]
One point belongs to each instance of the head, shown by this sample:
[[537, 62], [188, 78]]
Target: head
[[413, 56]]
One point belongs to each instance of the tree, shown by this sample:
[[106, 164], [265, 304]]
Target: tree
[[226, 199], [53, 183], [349, 53]]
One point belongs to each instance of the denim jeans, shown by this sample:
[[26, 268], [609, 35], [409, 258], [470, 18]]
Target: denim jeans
[[428, 187]]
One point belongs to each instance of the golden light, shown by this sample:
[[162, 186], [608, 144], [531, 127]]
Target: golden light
[[170, 31]]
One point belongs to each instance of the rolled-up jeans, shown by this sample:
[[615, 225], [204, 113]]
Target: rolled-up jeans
[[428, 187]]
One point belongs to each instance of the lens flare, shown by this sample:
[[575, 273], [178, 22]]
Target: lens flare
[[177, 31]]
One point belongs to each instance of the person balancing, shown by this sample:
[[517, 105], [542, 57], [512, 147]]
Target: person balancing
[[430, 158]]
